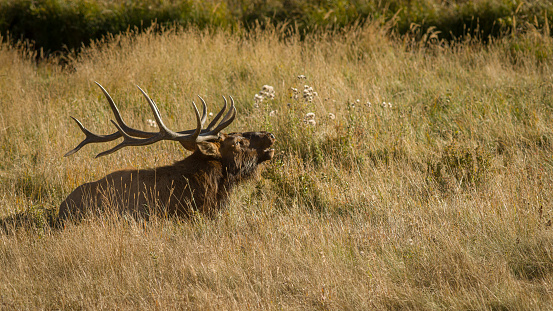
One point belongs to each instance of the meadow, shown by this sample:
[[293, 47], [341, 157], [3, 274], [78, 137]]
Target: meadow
[[410, 174]]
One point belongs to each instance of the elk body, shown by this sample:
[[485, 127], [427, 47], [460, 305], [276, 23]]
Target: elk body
[[201, 182]]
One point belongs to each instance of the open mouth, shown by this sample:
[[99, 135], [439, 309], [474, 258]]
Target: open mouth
[[267, 154]]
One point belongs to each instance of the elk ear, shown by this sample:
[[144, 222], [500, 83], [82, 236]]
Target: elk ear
[[209, 149]]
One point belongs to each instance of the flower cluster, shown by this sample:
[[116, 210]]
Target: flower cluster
[[369, 104], [310, 119], [267, 92], [308, 93], [295, 93], [151, 123]]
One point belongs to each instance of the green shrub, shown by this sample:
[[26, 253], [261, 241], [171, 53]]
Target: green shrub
[[59, 25]]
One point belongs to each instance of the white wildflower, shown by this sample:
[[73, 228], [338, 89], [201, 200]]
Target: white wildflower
[[211, 114], [295, 93], [151, 123], [272, 113], [308, 93], [310, 118], [267, 92], [331, 116], [302, 77], [369, 104]]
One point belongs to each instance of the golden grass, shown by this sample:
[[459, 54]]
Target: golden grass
[[439, 201]]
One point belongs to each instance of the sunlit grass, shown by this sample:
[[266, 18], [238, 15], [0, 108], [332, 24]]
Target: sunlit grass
[[408, 175]]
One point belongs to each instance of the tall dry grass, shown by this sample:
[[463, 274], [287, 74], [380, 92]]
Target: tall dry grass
[[436, 195]]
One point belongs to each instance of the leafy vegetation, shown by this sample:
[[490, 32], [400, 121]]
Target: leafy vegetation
[[54, 26]]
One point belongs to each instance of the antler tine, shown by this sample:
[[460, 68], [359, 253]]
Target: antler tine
[[119, 119], [227, 120], [212, 123], [232, 108], [91, 138], [168, 134], [199, 124], [204, 112], [113, 106], [163, 134], [218, 116], [229, 117], [117, 147], [130, 141], [157, 116], [188, 139]]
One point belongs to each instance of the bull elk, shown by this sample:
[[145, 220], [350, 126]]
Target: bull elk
[[201, 182]]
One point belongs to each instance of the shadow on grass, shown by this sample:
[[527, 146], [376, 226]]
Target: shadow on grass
[[39, 220], [532, 258]]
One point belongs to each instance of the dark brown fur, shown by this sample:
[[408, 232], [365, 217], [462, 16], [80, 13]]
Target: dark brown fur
[[201, 182]]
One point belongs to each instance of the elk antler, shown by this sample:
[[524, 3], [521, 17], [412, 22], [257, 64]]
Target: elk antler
[[188, 138]]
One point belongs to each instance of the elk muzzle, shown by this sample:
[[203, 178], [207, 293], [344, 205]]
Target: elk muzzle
[[262, 143]]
